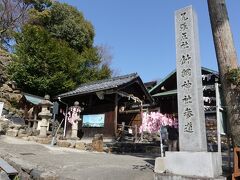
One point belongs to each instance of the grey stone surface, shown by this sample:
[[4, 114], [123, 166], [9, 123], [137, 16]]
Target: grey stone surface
[[3, 126], [97, 143], [63, 143], [24, 176], [178, 177], [192, 131], [28, 170], [193, 158], [72, 144], [29, 131], [30, 138], [4, 165], [201, 164], [73, 164], [22, 133], [3, 175], [43, 175], [43, 140], [45, 115], [36, 132], [159, 165], [17, 120], [12, 132], [15, 126], [80, 145]]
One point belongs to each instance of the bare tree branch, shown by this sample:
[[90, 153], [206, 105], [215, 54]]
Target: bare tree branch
[[12, 16]]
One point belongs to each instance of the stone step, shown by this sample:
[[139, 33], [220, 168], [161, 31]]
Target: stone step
[[166, 176], [7, 167], [133, 148]]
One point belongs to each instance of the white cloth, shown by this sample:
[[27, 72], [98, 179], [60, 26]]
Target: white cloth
[[207, 76], [209, 87], [209, 99]]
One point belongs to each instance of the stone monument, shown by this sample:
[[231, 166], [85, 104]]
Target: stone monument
[[45, 115], [192, 129], [193, 159]]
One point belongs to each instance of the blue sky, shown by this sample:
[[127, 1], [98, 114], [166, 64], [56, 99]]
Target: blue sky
[[141, 34]]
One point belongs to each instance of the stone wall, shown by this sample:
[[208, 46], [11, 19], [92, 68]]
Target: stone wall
[[9, 93]]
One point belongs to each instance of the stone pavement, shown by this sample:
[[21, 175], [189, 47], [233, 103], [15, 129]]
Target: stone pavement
[[72, 164]]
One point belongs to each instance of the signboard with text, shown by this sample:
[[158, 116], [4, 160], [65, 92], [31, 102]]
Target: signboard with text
[[93, 120]]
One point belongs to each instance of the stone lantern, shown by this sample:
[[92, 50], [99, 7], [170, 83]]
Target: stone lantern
[[74, 118], [45, 115]]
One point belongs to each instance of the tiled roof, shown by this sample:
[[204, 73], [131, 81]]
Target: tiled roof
[[174, 71], [166, 93], [101, 85], [33, 98]]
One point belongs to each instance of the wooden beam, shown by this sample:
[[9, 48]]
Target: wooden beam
[[90, 101], [130, 111]]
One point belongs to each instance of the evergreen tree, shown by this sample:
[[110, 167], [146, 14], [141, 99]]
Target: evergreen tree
[[55, 52]]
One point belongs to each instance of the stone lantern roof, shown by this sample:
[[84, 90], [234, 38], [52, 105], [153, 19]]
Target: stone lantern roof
[[46, 101]]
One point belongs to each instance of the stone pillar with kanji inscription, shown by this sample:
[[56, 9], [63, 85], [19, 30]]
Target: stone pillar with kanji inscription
[[192, 129], [192, 160]]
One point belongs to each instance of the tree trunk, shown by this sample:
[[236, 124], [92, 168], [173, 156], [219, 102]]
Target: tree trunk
[[227, 60]]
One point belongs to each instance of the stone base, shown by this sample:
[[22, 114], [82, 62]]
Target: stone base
[[74, 138], [63, 143], [159, 165], [199, 164], [12, 132], [97, 145], [158, 176], [80, 145], [43, 140]]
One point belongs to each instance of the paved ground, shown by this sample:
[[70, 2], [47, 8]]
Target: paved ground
[[80, 165]]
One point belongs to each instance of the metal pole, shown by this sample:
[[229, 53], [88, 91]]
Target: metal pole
[[218, 116], [218, 103], [65, 121], [53, 139], [161, 144], [66, 113], [53, 124], [115, 114], [141, 116]]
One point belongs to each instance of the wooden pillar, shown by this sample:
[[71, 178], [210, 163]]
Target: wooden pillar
[[25, 112], [123, 133], [141, 115], [135, 132], [123, 126], [90, 101], [236, 170], [116, 114]]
